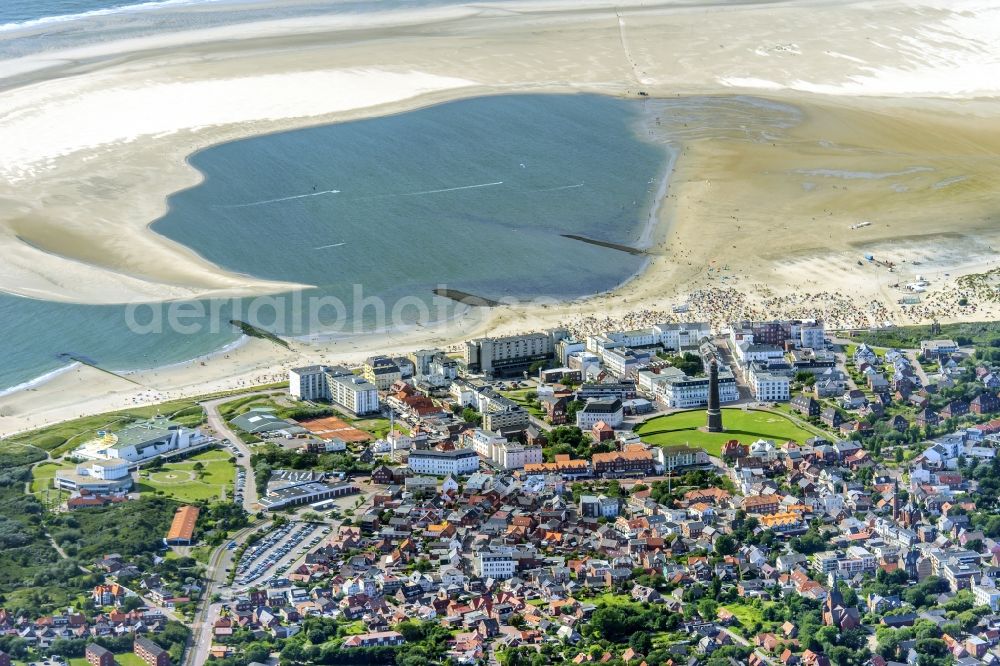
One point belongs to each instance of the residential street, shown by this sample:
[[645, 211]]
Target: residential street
[[215, 577]]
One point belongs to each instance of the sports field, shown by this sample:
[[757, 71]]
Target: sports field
[[746, 426]]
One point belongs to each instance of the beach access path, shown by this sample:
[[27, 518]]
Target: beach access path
[[223, 431]]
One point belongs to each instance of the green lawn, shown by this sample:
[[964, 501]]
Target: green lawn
[[520, 396], [745, 426], [611, 599], [748, 615], [180, 481], [378, 427], [41, 484], [43, 473], [352, 628]]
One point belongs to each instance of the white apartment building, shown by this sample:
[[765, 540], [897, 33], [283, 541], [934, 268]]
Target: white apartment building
[[596, 344], [433, 366], [853, 560], [568, 346], [672, 388], [809, 333], [986, 594], [748, 352], [502, 453], [511, 455], [496, 565], [442, 463], [333, 384], [676, 336], [484, 441], [488, 355], [679, 456], [599, 506], [308, 383], [586, 362], [670, 336], [769, 386], [422, 361], [355, 394], [462, 393], [609, 410]]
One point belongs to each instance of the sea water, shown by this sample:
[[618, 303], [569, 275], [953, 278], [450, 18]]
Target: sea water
[[474, 195]]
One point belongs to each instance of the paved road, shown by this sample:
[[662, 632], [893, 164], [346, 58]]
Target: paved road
[[221, 558], [204, 617], [223, 431], [913, 356], [739, 640]]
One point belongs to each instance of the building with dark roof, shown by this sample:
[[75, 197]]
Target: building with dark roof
[[289, 487], [805, 405], [263, 420], [150, 652], [99, 656], [609, 410], [382, 372]]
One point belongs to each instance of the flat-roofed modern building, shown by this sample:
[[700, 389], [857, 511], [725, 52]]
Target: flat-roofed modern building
[[98, 477], [441, 463], [503, 414], [307, 492], [355, 394], [335, 384], [509, 354], [308, 383], [142, 441], [933, 348]]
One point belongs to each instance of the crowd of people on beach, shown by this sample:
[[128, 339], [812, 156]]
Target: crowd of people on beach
[[720, 306]]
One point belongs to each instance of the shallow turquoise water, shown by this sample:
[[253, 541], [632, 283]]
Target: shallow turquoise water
[[472, 195]]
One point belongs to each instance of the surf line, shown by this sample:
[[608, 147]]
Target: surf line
[[280, 199]]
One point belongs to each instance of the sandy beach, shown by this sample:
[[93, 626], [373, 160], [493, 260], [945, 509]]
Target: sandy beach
[[877, 131]]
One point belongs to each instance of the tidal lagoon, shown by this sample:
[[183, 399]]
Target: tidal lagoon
[[477, 195]]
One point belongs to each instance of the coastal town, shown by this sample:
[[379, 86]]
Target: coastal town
[[518, 333], [767, 492]]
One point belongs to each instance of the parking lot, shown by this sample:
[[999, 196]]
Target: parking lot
[[274, 555]]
